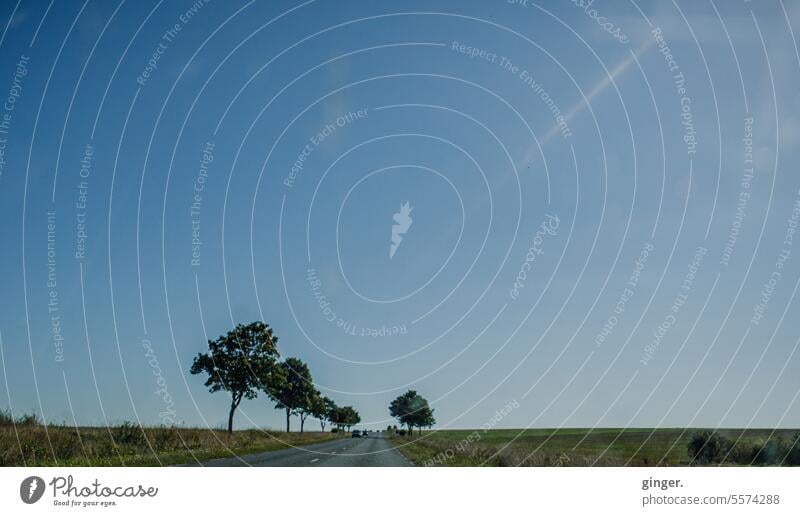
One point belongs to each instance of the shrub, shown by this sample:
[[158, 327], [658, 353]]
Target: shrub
[[128, 434], [706, 447], [769, 452], [792, 455], [5, 418], [744, 452], [28, 420]]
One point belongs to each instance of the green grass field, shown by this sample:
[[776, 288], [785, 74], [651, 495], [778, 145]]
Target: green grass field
[[584, 447], [128, 445]]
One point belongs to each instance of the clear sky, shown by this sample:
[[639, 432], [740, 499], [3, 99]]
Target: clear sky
[[601, 207]]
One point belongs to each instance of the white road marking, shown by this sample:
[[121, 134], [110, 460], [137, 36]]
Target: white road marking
[[313, 460]]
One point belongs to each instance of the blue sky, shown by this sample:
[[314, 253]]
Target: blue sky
[[605, 151]]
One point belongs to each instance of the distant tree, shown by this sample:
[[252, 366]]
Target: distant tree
[[350, 417], [294, 391], [400, 408], [412, 410], [238, 362], [335, 418], [322, 408]]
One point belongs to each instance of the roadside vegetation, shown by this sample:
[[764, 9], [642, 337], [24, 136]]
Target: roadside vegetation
[[601, 447], [26, 442], [245, 363], [709, 447]]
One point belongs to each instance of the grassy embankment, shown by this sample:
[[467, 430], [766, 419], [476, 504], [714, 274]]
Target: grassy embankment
[[25, 442], [580, 447]]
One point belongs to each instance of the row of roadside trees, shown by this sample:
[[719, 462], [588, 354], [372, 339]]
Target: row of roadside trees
[[246, 362]]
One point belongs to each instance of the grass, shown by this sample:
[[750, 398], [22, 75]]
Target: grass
[[569, 447], [28, 443]]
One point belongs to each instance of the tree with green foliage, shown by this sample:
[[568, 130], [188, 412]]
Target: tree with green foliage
[[345, 417], [238, 363], [412, 410], [308, 406], [424, 417], [350, 417], [322, 408], [294, 390], [336, 418]]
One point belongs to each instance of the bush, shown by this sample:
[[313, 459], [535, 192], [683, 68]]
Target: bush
[[769, 452], [773, 451], [128, 434], [706, 447], [5, 418], [334, 430], [28, 420], [792, 453], [744, 452]]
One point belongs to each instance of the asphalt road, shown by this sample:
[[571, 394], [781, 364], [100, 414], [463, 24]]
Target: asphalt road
[[372, 451]]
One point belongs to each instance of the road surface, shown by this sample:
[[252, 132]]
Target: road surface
[[372, 451]]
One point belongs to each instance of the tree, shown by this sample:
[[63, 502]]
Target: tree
[[322, 408], [345, 417], [238, 362], [412, 410], [309, 406], [336, 417], [294, 391], [400, 408], [424, 417], [350, 417]]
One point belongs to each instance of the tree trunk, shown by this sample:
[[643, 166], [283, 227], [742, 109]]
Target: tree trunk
[[302, 422], [230, 415], [322, 424], [288, 413]]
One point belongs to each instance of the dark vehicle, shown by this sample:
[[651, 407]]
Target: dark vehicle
[[356, 433]]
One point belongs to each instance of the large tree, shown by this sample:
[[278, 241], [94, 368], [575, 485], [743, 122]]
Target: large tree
[[294, 390], [238, 362], [412, 410]]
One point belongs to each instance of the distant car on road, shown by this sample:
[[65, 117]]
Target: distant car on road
[[356, 433], [364, 433]]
